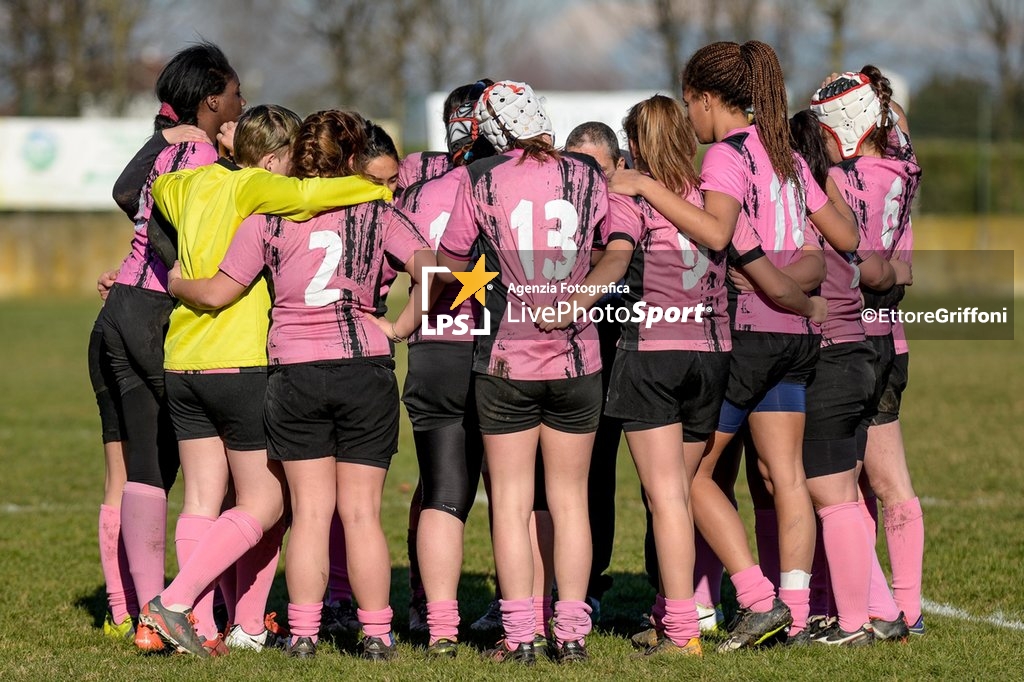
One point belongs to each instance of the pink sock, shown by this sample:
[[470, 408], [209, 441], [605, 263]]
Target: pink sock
[[799, 603], [443, 619], [518, 619], [766, 530], [221, 545], [188, 532], [144, 530], [658, 612], [707, 573], [376, 623], [681, 621], [572, 620], [904, 534], [880, 601], [254, 573], [849, 562], [753, 590], [338, 587], [304, 620], [543, 610], [821, 589], [120, 590]]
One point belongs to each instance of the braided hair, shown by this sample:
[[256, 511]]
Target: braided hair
[[879, 137], [328, 144], [748, 77]]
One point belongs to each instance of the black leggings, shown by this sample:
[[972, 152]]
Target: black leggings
[[104, 385], [134, 326], [449, 459]]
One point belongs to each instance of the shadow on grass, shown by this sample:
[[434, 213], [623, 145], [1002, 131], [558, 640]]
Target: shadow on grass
[[476, 590], [622, 608], [625, 606], [95, 604]]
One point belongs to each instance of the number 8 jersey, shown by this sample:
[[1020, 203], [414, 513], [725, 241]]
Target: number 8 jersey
[[536, 223]]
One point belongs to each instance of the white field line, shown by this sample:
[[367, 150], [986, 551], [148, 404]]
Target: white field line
[[997, 618]]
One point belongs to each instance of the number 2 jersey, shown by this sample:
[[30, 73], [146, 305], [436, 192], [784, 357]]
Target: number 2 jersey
[[536, 223], [325, 278]]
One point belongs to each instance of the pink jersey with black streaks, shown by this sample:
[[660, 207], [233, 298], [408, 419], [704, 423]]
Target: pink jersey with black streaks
[[904, 250], [841, 289], [325, 276], [668, 270], [420, 166], [880, 191], [536, 223], [142, 267], [773, 217], [428, 206]]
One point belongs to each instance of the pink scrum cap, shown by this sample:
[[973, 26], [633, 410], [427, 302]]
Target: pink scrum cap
[[849, 110], [508, 111]]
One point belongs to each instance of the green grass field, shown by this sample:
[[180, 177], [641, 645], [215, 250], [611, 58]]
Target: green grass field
[[963, 418]]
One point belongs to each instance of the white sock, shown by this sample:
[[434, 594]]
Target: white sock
[[795, 580]]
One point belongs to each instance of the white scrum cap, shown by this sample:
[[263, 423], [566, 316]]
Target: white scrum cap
[[849, 109], [510, 111]]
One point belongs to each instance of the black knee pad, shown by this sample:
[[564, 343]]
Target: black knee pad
[[826, 457], [449, 460]]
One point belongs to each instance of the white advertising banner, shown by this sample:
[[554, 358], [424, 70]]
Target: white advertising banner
[[65, 164], [565, 109]]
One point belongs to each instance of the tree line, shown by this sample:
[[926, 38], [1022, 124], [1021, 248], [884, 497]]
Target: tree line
[[58, 56]]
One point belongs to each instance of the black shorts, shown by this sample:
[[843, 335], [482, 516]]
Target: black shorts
[[439, 385], [844, 379], [892, 395], [220, 404], [511, 405], [346, 409], [655, 388], [104, 385], [885, 353], [843, 382], [762, 360]]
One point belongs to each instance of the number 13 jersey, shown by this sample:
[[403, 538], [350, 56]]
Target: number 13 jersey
[[536, 222]]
